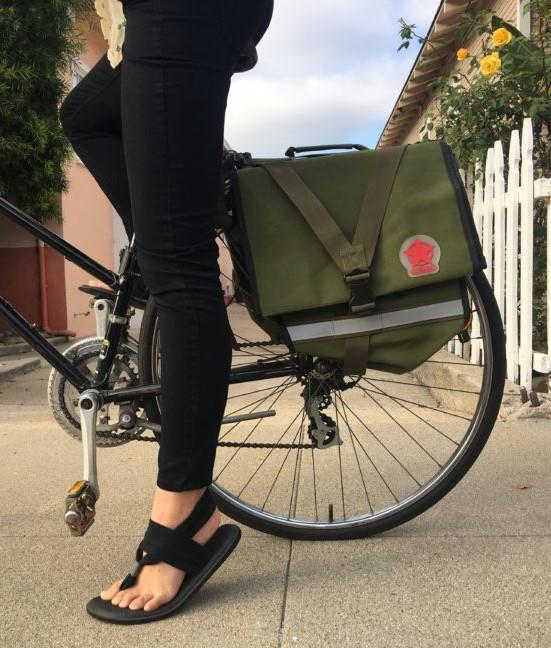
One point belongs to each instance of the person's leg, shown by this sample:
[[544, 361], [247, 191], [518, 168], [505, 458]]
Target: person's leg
[[178, 58], [90, 115]]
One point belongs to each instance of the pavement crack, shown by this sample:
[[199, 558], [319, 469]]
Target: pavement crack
[[285, 590]]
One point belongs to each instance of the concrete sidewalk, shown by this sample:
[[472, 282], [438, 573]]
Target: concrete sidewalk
[[473, 571]]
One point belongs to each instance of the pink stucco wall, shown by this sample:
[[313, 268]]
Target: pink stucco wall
[[91, 223], [87, 216]]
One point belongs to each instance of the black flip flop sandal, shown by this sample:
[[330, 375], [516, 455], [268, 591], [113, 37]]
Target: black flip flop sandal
[[177, 548]]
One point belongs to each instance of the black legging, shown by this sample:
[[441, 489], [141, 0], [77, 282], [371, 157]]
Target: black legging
[[151, 133]]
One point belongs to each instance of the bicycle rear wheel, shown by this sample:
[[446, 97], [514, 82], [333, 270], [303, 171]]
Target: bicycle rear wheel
[[374, 452]]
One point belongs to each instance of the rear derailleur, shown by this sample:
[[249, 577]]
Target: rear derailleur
[[324, 378]]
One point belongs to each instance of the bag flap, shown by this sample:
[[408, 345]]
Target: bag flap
[[427, 235]]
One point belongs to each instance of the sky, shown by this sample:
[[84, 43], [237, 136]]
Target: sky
[[328, 73]]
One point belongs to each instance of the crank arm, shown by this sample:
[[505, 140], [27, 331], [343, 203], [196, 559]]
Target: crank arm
[[81, 498]]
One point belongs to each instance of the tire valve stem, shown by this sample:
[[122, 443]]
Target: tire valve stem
[[331, 513]]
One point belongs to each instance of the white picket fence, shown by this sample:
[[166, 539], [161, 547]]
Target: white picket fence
[[503, 209]]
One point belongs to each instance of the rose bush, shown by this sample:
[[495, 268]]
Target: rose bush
[[474, 107], [491, 93]]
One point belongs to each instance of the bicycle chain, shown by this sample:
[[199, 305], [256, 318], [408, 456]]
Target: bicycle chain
[[129, 436], [262, 446], [242, 345], [124, 436]]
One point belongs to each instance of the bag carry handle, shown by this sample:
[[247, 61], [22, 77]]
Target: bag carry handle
[[290, 152]]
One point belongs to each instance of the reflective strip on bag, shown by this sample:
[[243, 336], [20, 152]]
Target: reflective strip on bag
[[376, 323]]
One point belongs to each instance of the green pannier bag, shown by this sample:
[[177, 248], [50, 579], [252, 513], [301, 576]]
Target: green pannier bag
[[358, 256]]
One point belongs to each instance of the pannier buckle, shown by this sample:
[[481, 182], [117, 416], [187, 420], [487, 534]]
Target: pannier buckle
[[361, 299]]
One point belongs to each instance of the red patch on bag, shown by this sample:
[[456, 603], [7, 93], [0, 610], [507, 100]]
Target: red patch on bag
[[420, 255]]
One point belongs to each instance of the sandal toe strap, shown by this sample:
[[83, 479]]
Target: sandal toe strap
[[131, 578]]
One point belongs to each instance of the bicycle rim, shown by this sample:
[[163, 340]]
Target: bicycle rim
[[404, 442]]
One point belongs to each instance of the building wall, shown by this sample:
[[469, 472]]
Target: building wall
[[86, 224], [506, 9], [90, 223], [87, 214], [19, 272]]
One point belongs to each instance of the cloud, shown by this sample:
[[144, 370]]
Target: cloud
[[326, 69]]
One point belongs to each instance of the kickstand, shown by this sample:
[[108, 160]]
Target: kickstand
[[81, 498]]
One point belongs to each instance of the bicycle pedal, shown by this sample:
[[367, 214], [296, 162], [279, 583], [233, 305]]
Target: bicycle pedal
[[80, 507]]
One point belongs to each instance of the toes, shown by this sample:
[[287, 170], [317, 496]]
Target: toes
[[117, 598], [139, 602], [156, 601], [110, 592], [128, 596]]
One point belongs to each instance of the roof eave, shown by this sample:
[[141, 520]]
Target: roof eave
[[429, 61]]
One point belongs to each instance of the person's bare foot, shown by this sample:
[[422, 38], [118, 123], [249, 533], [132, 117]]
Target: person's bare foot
[[157, 584]]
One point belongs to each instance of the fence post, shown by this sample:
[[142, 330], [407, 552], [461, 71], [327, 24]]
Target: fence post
[[542, 191], [548, 270], [454, 345], [499, 227], [476, 344], [487, 215], [511, 265], [526, 253]]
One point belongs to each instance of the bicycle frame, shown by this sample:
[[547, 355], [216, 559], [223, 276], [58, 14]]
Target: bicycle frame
[[121, 283]]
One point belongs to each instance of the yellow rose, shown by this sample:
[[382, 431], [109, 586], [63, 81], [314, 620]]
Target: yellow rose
[[490, 64], [501, 37], [462, 53]]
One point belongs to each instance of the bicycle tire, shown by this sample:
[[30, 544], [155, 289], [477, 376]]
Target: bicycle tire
[[367, 528]]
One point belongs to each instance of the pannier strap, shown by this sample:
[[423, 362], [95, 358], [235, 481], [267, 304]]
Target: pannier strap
[[356, 353], [353, 259], [315, 214]]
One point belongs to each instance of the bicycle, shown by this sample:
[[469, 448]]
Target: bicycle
[[350, 476]]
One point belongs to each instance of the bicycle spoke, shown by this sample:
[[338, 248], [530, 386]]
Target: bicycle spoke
[[280, 439], [408, 409], [402, 427], [257, 391], [296, 474], [399, 382], [315, 485], [259, 402], [279, 471], [250, 433], [382, 444], [356, 456], [281, 387], [429, 407], [373, 463], [340, 461]]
